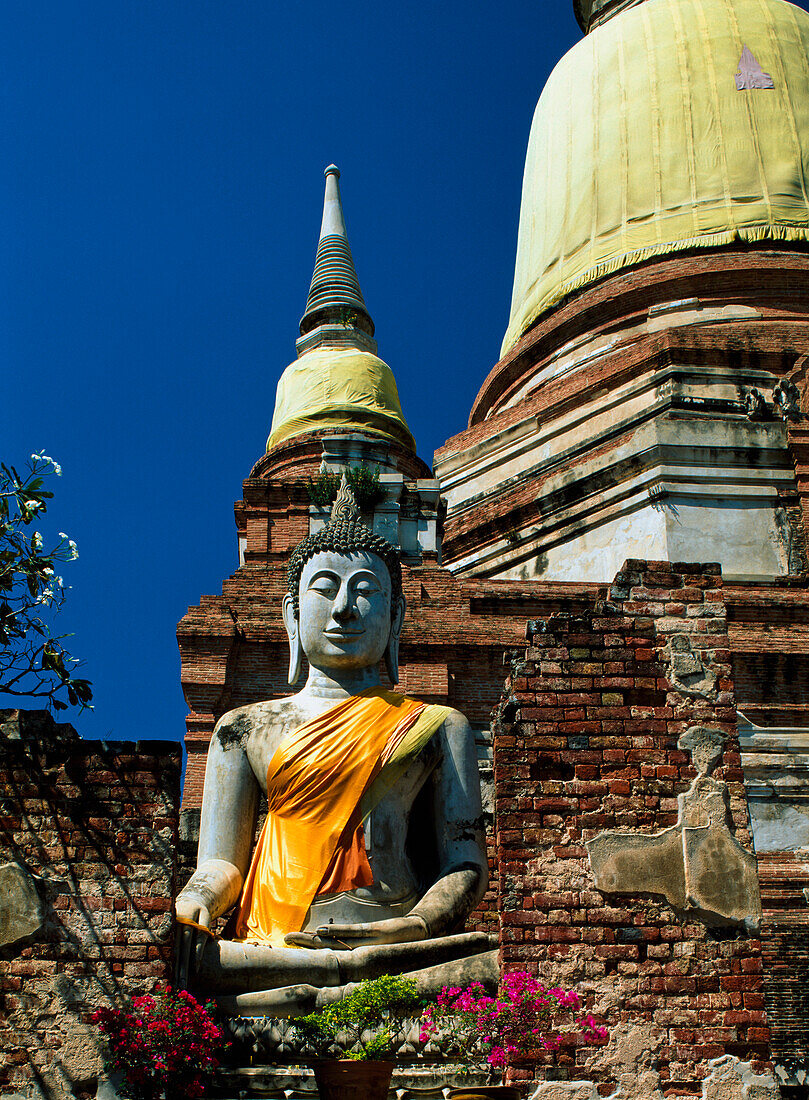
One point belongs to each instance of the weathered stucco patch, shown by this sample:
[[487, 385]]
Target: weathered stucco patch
[[634, 863], [630, 1060], [20, 904], [688, 673], [705, 745], [697, 865], [731, 1079]]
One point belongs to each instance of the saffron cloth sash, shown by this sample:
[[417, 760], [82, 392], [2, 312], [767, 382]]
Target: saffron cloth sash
[[322, 782]]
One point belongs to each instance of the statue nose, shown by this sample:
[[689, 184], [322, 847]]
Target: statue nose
[[343, 604]]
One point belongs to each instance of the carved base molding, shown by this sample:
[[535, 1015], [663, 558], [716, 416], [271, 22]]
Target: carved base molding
[[283, 1083], [265, 1061]]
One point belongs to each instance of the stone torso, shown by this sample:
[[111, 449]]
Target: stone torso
[[399, 880]]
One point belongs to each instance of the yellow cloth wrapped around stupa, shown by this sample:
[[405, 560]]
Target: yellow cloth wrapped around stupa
[[642, 144], [333, 387]]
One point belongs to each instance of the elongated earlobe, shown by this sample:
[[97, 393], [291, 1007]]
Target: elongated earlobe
[[293, 633], [392, 650]]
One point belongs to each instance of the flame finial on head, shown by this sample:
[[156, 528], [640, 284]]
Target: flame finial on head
[[345, 506]]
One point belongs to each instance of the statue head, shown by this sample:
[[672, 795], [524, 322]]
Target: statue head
[[344, 607]]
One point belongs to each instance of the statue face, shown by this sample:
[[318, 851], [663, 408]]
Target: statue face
[[344, 609]]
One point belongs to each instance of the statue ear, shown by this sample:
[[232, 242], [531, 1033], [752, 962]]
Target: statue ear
[[291, 624], [392, 650]]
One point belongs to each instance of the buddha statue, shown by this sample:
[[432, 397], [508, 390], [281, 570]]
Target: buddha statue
[[372, 854]]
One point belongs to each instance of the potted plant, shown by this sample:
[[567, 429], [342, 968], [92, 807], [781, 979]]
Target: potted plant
[[165, 1046], [526, 1021], [364, 1028]]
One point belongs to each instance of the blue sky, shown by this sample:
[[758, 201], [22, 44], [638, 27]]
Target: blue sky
[[161, 189]]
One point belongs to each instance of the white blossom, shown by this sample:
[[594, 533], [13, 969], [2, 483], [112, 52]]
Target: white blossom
[[36, 541], [57, 469], [74, 550]]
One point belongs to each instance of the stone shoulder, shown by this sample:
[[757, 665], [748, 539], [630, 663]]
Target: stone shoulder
[[456, 722], [235, 726]]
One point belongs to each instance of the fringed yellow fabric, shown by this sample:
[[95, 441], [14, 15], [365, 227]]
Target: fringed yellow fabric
[[749, 234], [643, 146], [316, 781], [331, 387]]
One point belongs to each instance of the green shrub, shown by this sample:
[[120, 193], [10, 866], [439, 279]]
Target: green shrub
[[323, 489], [377, 1005], [364, 482]]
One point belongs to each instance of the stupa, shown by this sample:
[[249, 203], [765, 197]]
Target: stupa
[[645, 402], [648, 414]]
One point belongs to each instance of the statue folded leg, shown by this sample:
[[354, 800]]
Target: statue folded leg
[[289, 982]]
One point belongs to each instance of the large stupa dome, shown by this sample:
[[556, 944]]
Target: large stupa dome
[[677, 124]]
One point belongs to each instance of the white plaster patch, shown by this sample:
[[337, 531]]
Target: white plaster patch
[[742, 536], [779, 828], [598, 554]]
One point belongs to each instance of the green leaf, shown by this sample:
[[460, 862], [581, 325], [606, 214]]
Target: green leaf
[[84, 690]]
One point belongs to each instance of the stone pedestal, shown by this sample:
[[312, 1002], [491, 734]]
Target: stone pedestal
[[265, 1061]]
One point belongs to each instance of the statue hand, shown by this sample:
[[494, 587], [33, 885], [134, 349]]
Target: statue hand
[[193, 920], [345, 937]]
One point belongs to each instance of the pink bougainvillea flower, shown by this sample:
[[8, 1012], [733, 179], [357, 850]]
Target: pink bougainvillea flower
[[526, 1019]]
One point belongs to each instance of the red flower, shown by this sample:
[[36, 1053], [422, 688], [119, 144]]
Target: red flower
[[169, 1043]]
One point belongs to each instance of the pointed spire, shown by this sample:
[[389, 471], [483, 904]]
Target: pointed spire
[[338, 381], [335, 296]]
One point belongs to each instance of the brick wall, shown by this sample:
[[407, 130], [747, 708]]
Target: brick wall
[[95, 826], [586, 742], [784, 880]]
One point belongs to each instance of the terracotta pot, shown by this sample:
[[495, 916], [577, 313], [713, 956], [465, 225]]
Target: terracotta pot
[[345, 1079], [485, 1092]]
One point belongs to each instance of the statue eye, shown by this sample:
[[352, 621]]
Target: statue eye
[[367, 588], [324, 586]]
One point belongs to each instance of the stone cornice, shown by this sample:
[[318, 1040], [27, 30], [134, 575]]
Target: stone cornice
[[775, 282]]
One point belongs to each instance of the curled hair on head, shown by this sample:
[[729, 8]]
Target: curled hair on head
[[345, 532]]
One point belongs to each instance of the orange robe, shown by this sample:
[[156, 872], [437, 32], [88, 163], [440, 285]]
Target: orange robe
[[321, 782]]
